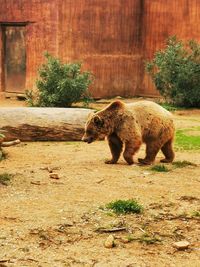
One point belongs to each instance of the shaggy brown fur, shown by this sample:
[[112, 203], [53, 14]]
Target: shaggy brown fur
[[131, 125]]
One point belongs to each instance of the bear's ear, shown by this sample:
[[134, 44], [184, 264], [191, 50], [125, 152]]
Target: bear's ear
[[115, 105], [98, 121]]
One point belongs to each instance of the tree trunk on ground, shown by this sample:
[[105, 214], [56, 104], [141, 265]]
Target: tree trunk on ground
[[43, 124]]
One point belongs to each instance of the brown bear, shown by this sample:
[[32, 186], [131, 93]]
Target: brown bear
[[131, 125]]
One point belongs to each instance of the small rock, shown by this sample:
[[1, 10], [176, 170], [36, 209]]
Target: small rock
[[43, 168], [50, 169], [146, 173], [125, 240], [110, 242], [181, 245], [54, 175]]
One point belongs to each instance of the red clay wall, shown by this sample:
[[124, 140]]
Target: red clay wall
[[106, 36], [112, 38], [41, 30]]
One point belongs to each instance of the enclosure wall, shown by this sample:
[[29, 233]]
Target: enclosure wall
[[112, 38]]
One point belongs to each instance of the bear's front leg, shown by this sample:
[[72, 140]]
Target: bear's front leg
[[130, 149], [115, 145]]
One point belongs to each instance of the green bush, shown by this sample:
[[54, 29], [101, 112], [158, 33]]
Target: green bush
[[60, 84], [176, 72]]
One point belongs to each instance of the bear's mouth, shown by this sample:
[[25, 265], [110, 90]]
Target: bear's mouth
[[90, 140]]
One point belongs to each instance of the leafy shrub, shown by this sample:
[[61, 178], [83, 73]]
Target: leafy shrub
[[176, 72], [125, 206], [60, 84]]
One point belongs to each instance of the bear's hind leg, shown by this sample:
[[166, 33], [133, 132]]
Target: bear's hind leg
[[115, 145], [152, 149], [168, 152]]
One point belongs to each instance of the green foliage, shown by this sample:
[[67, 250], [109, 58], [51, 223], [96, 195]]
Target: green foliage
[[32, 98], [5, 178], [182, 164], [169, 107], [2, 136], [60, 84], [176, 72], [196, 213], [186, 141], [3, 155], [159, 168], [149, 239], [125, 206], [174, 165]]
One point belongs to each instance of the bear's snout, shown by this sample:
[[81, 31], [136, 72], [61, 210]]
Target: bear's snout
[[87, 139]]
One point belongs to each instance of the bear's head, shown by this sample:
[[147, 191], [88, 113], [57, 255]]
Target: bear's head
[[102, 123], [95, 129]]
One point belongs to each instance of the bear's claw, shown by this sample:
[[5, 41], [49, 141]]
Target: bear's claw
[[110, 161], [144, 161], [166, 160]]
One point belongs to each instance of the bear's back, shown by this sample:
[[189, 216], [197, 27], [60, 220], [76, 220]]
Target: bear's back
[[145, 108], [150, 116]]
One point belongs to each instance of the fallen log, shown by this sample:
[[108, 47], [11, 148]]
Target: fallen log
[[10, 143], [43, 124]]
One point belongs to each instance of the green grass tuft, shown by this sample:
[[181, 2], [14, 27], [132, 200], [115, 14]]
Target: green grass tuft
[[3, 155], [196, 213], [125, 206], [186, 141], [5, 178], [160, 168], [182, 164], [148, 239]]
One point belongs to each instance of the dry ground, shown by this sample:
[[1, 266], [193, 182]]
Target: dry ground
[[54, 223]]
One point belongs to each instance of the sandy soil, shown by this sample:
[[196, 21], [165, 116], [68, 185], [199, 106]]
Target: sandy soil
[[54, 223]]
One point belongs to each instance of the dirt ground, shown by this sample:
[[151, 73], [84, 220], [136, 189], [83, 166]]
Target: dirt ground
[[56, 222]]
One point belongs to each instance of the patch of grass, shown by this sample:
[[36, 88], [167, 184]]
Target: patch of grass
[[169, 107], [160, 168], [3, 155], [130, 238], [196, 214], [186, 141], [148, 239], [125, 206], [182, 164], [5, 178]]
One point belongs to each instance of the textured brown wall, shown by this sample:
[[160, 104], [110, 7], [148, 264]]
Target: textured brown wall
[[112, 38], [106, 36], [41, 31]]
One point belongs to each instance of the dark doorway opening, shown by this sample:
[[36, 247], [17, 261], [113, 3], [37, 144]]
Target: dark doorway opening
[[14, 58]]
